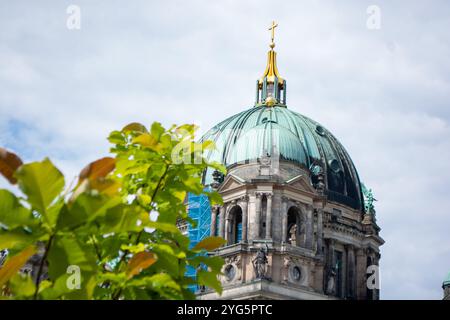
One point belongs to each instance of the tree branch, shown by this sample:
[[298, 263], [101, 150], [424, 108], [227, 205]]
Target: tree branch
[[41, 266]]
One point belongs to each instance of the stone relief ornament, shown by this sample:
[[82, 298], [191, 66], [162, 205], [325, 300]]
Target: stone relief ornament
[[295, 273], [292, 271], [232, 269], [229, 272]]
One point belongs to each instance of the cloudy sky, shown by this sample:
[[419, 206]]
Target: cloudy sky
[[384, 93]]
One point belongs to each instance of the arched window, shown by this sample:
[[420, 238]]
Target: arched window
[[235, 225], [293, 227], [238, 227]]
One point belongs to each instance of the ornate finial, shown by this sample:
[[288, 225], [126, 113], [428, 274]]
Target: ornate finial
[[271, 88], [272, 28]]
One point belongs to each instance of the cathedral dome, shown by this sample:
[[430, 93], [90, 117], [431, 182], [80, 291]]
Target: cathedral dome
[[250, 135], [271, 129]]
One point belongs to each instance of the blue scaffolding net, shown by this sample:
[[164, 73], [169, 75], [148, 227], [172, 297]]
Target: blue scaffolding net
[[199, 209]]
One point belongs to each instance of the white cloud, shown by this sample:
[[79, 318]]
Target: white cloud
[[385, 94]]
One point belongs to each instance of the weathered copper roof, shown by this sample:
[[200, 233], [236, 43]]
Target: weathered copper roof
[[261, 131]]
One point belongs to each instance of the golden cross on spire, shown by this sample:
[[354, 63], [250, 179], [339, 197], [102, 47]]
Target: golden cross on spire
[[272, 28]]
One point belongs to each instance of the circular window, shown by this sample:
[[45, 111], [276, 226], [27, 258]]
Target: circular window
[[334, 165], [230, 272], [320, 130], [296, 273]]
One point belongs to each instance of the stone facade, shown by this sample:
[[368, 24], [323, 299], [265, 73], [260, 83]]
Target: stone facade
[[293, 242]]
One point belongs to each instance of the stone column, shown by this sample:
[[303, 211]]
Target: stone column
[[309, 227], [351, 272], [344, 273], [213, 220], [284, 203], [227, 229], [258, 215], [228, 224], [319, 230], [244, 207], [223, 210], [331, 253], [361, 285], [269, 216]]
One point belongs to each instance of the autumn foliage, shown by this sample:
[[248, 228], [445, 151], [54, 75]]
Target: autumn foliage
[[117, 225]]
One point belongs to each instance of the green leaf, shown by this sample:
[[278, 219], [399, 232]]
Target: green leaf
[[214, 263], [60, 290], [209, 244], [162, 283], [157, 130], [12, 213], [117, 137], [67, 250], [140, 247], [209, 279], [218, 166], [42, 182], [16, 239], [86, 208], [161, 226], [168, 258], [214, 198], [22, 285], [121, 218]]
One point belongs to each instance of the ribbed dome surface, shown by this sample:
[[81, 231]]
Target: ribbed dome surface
[[263, 130]]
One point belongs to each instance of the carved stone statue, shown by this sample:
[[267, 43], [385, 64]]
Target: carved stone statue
[[218, 178], [259, 263], [293, 235], [368, 200], [331, 283], [317, 176]]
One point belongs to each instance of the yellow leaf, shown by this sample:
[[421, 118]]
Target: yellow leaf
[[106, 186], [139, 262], [13, 265], [145, 139], [209, 243], [149, 141], [144, 199], [9, 162]]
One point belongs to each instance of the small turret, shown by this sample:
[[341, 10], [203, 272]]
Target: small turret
[[271, 87]]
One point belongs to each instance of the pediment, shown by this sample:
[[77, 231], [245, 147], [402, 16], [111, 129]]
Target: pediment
[[301, 182], [231, 182]]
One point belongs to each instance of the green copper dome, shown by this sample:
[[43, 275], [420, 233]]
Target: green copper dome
[[262, 130], [446, 281]]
